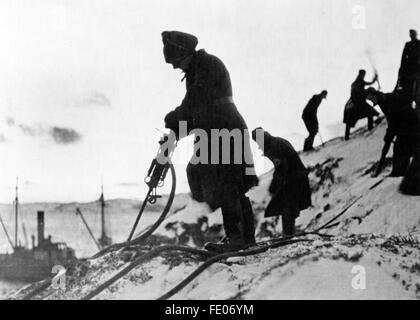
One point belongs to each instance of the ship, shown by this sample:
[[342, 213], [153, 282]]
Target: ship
[[105, 240], [36, 263]]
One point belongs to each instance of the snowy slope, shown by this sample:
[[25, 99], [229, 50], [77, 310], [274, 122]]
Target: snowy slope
[[379, 233]]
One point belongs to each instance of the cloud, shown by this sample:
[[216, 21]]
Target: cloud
[[2, 138], [64, 135], [58, 134], [128, 184], [94, 99], [29, 183], [10, 122], [32, 131]]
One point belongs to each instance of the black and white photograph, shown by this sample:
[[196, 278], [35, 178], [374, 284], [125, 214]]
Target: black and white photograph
[[232, 151]]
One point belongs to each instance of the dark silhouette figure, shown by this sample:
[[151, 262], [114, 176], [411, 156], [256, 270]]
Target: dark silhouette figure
[[289, 188], [310, 119], [357, 108], [410, 184], [409, 73], [207, 105], [409, 86], [403, 127]]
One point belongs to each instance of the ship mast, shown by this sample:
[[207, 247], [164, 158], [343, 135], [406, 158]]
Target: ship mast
[[104, 240], [16, 214], [102, 200]]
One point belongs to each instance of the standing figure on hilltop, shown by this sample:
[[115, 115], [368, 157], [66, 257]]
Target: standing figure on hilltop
[[409, 73], [208, 105], [357, 108], [310, 119], [409, 87], [289, 188]]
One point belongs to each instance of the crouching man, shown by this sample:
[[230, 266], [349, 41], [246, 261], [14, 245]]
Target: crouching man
[[357, 108], [410, 184], [403, 126], [289, 188]]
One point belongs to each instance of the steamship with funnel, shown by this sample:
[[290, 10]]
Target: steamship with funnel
[[36, 263]]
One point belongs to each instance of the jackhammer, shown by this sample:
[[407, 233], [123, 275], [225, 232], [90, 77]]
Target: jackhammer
[[156, 174]]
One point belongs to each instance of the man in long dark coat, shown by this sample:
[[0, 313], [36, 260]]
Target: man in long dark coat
[[409, 73], [208, 105], [357, 108], [310, 119], [289, 188], [403, 126], [409, 85]]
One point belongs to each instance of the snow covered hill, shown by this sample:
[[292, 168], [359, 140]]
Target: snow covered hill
[[377, 238]]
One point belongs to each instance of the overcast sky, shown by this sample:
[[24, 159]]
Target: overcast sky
[[83, 84]]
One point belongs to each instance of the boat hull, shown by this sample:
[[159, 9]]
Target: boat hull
[[33, 265]]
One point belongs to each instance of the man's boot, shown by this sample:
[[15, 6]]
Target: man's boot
[[309, 142], [211, 245], [347, 133], [305, 145], [233, 242], [233, 222]]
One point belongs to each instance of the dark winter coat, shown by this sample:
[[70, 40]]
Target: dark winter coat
[[356, 107], [411, 182], [410, 61], [409, 73], [354, 112], [208, 105], [401, 117], [403, 122], [290, 185]]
